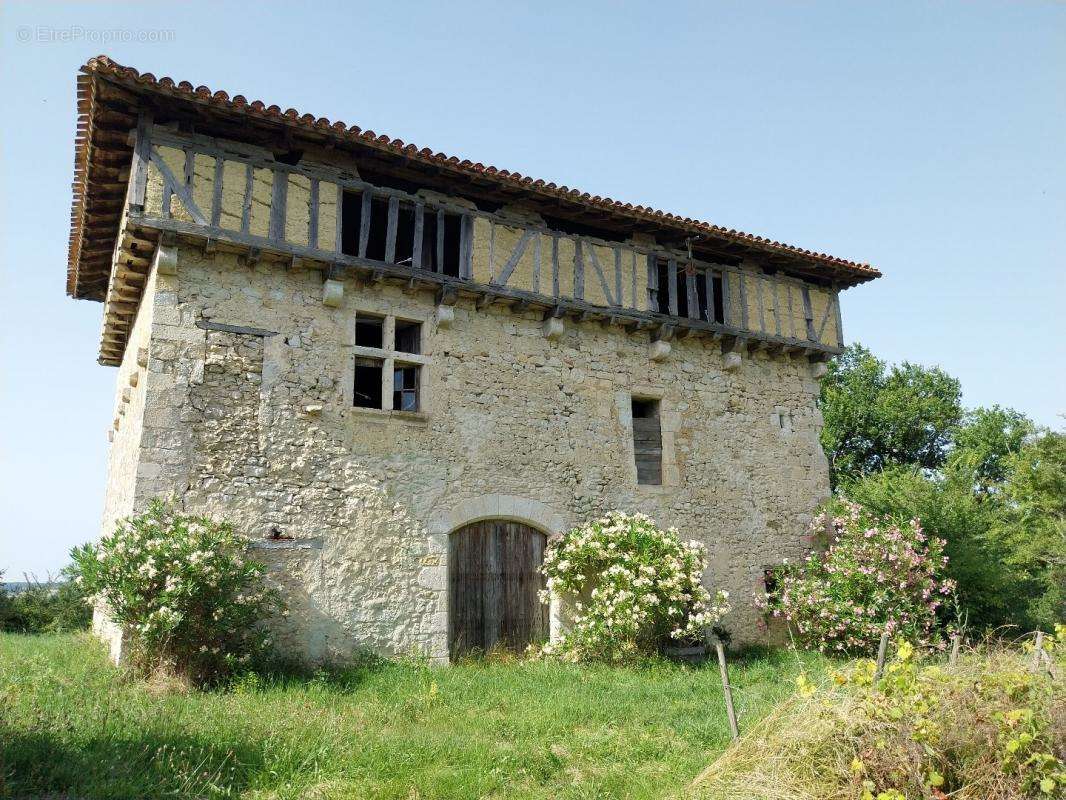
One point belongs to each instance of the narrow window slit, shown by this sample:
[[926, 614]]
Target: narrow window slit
[[647, 441]]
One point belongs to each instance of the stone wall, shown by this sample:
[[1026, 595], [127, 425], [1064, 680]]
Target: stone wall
[[352, 507]]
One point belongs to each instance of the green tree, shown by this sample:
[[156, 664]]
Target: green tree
[[991, 436], [1036, 489], [878, 416]]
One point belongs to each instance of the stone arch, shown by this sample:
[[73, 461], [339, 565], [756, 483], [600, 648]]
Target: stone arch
[[498, 506]]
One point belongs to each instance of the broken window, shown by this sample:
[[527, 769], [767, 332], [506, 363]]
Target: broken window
[[395, 353], [647, 441], [405, 380], [368, 372], [408, 337], [705, 309], [369, 331], [441, 233]]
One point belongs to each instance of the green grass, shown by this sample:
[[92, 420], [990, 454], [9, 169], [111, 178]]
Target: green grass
[[70, 723]]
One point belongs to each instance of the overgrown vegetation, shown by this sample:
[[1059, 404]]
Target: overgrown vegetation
[[987, 481], [985, 729], [630, 588], [72, 725], [185, 590], [870, 577], [44, 607]]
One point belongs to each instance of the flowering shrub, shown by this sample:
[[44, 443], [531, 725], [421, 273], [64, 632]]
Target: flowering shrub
[[183, 587], [874, 576], [631, 587]]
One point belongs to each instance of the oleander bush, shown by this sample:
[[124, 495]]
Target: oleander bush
[[871, 576], [987, 728], [630, 587], [184, 589]]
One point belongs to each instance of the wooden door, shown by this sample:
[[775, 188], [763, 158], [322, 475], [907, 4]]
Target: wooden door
[[494, 577]]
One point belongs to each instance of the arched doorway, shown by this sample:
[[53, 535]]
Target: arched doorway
[[493, 580]]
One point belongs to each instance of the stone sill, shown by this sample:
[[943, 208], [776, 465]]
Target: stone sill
[[655, 488], [380, 414]]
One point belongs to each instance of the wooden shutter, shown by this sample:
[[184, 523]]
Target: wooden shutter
[[647, 442]]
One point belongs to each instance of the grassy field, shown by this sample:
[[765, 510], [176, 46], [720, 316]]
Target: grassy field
[[70, 723]]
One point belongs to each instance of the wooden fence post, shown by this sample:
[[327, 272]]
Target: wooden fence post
[[726, 688], [882, 649], [1037, 650], [955, 641]]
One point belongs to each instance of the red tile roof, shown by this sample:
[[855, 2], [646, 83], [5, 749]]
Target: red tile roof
[[850, 272]]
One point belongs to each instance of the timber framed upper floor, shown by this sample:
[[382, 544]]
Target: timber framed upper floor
[[158, 161]]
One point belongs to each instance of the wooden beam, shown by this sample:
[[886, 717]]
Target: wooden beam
[[390, 230]]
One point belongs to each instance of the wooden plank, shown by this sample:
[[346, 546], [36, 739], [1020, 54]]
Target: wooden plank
[[338, 243], [278, 201], [312, 217], [777, 306], [672, 288], [514, 258], [364, 221], [743, 300], [759, 280], [466, 246], [555, 267], [825, 317], [653, 283], [791, 315], [727, 301], [536, 261], [216, 194], [840, 325], [708, 277], [189, 170], [246, 203], [141, 155], [579, 271], [390, 230], [440, 241], [492, 590], [691, 295], [618, 276], [633, 279], [416, 242], [176, 188], [808, 313]]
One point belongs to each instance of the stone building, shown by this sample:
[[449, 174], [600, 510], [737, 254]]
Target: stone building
[[398, 372]]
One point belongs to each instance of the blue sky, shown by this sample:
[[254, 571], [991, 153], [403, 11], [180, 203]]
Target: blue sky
[[926, 138]]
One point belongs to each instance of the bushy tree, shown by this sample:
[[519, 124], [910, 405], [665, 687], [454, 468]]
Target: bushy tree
[[631, 587], [183, 587], [874, 576], [991, 436], [45, 607], [1036, 490], [878, 416], [971, 526]]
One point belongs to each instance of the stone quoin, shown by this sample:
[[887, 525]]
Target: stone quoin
[[400, 373]]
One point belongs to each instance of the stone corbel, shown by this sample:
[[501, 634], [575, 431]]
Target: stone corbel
[[659, 350], [553, 328], [332, 293], [165, 260], [819, 369], [445, 316], [733, 355]]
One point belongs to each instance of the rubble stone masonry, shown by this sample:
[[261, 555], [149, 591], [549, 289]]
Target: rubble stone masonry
[[352, 507]]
